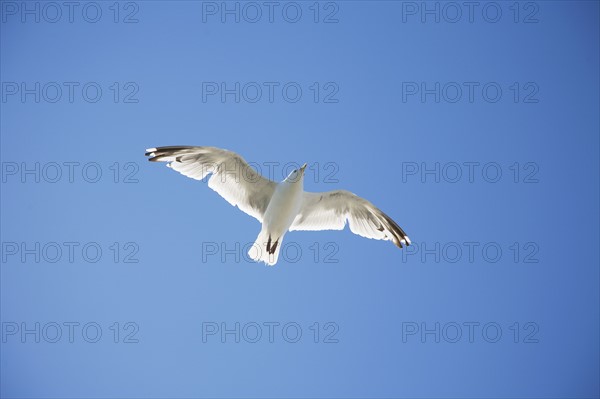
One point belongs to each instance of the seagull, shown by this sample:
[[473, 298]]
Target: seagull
[[279, 207]]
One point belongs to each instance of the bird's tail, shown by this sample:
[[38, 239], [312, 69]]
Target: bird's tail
[[266, 248]]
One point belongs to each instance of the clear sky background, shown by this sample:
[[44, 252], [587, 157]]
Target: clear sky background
[[498, 296]]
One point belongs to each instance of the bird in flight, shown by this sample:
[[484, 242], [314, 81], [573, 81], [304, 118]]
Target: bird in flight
[[280, 207]]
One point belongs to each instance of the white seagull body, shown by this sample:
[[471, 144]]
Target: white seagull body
[[280, 207]]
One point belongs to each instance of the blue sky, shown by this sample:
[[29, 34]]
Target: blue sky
[[477, 132]]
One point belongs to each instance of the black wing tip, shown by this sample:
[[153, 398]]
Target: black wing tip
[[158, 153], [399, 236], [404, 240]]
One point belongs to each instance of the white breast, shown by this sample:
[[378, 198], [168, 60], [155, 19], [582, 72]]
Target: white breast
[[283, 208]]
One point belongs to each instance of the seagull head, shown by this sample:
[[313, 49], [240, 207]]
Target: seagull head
[[297, 175]]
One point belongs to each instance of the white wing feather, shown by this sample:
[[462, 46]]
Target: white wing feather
[[333, 209], [232, 177]]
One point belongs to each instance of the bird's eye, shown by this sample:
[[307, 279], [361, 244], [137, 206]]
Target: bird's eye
[[295, 170]]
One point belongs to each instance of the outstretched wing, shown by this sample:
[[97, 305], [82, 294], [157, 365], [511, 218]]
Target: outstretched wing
[[333, 209], [231, 177]]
